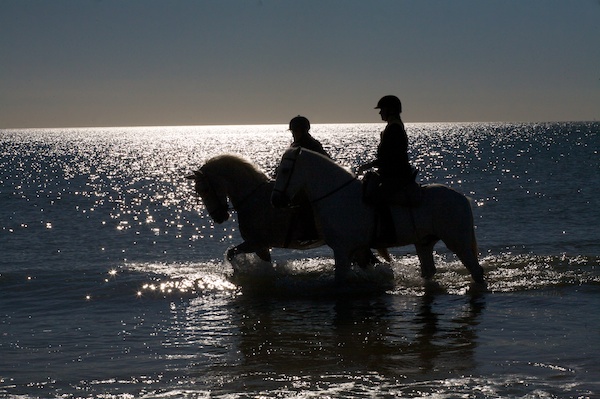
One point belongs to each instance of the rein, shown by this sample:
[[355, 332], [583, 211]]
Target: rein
[[334, 191], [293, 161]]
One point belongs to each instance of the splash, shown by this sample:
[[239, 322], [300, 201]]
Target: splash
[[308, 277], [183, 279]]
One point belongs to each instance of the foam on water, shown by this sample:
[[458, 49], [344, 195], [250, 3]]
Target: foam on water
[[314, 277]]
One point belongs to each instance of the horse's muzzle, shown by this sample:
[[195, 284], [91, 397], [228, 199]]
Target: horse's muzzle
[[219, 216], [279, 200]]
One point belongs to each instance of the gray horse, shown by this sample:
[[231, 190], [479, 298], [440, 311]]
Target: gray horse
[[261, 225], [348, 224]]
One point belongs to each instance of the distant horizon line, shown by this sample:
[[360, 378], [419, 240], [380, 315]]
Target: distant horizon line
[[284, 124]]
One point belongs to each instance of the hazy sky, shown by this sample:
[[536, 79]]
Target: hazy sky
[[183, 62]]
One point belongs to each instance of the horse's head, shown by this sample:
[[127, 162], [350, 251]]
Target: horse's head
[[285, 184], [212, 194]]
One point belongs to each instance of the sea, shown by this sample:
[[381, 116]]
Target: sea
[[114, 281]]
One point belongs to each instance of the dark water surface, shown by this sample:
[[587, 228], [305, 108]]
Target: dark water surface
[[113, 283]]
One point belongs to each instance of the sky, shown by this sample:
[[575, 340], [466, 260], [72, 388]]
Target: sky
[[83, 63]]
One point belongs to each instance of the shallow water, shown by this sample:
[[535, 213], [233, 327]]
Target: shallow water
[[113, 281]]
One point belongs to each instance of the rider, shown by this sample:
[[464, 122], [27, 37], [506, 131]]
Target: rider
[[391, 161], [299, 126]]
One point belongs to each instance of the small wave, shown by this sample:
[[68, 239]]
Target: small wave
[[182, 279], [314, 277], [509, 273], [504, 273], [373, 384]]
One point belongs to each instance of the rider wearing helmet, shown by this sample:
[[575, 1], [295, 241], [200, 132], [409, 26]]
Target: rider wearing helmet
[[304, 216], [304, 219], [299, 126], [392, 157], [391, 162]]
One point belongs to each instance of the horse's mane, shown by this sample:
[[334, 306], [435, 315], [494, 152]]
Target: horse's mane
[[329, 160], [233, 165]]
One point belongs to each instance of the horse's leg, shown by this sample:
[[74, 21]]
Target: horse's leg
[[425, 254], [264, 254], [342, 266], [467, 253], [232, 252], [469, 259], [245, 247], [365, 258], [385, 254]]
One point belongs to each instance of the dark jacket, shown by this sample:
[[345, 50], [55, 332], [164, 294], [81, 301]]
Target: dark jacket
[[309, 142], [392, 156]]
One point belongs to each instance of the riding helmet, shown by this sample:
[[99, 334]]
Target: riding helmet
[[390, 102], [299, 123]]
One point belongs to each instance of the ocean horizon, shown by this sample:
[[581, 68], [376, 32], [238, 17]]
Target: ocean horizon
[[374, 122]]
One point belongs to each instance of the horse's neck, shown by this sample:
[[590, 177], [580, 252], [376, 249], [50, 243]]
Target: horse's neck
[[239, 188], [323, 177], [321, 169]]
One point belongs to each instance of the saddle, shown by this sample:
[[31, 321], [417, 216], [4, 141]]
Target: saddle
[[303, 225], [382, 194], [378, 191]]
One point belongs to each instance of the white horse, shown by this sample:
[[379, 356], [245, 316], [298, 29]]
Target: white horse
[[349, 225], [261, 226]]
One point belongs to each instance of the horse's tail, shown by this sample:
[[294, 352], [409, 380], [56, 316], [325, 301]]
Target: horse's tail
[[474, 245]]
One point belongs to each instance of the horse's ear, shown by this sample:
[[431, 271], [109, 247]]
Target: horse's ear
[[197, 174], [297, 150], [293, 150]]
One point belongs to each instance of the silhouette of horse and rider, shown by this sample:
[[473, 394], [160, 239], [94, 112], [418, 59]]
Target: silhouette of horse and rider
[[388, 197]]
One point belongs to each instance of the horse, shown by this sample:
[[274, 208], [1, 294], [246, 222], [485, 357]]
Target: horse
[[261, 226], [349, 225]]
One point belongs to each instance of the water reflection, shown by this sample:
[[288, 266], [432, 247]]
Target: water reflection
[[319, 344], [389, 335]]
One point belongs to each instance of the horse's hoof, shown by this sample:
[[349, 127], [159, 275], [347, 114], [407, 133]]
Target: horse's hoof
[[427, 276], [432, 287], [478, 286], [230, 255], [478, 278]]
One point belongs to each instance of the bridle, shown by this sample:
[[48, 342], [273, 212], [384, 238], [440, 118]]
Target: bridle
[[223, 206], [330, 193], [293, 160]]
